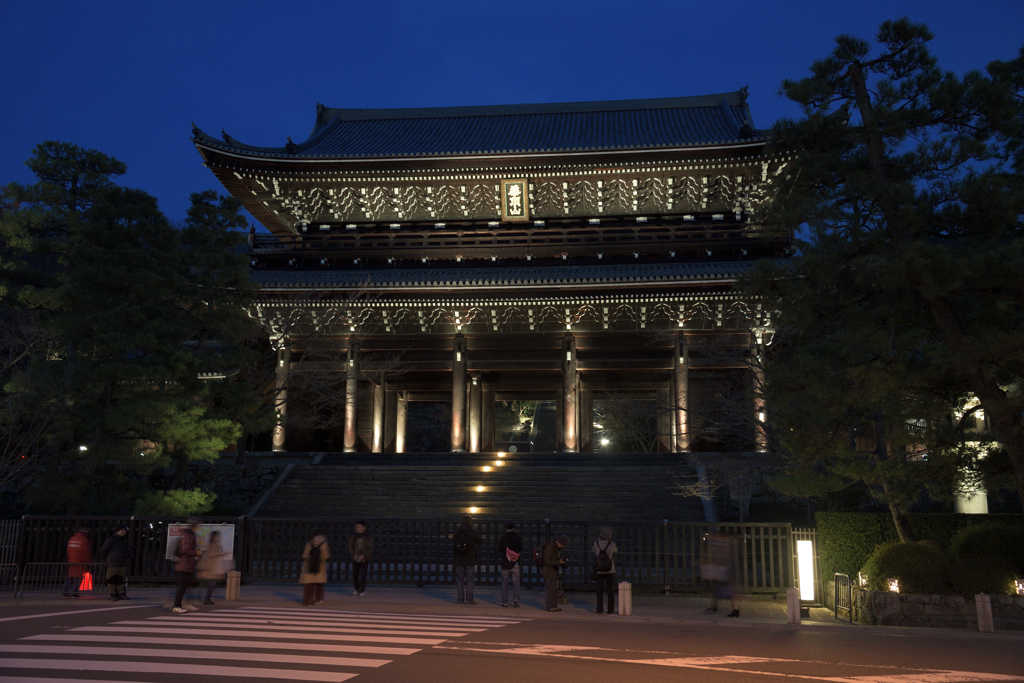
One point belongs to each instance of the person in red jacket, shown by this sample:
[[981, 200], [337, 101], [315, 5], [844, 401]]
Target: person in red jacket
[[185, 567], [79, 555]]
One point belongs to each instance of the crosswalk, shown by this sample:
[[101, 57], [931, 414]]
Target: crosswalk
[[262, 643]]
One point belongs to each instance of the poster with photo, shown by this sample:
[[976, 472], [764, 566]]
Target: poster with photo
[[227, 538]]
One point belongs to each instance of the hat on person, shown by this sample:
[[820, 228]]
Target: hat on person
[[510, 525], [606, 533], [562, 539], [120, 527]]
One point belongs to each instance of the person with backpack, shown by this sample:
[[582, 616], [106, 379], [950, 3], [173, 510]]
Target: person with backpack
[[465, 541], [313, 576], [604, 568], [360, 549], [510, 549], [552, 563]]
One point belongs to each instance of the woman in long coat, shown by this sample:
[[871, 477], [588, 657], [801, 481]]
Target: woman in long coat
[[213, 566], [313, 578]]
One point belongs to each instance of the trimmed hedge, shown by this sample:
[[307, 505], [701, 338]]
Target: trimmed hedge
[[994, 576], [919, 568], [990, 541], [847, 539]]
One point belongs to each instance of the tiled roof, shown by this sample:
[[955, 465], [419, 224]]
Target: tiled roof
[[528, 276], [516, 129]]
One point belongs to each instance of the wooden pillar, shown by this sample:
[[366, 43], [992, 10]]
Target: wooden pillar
[[487, 418], [377, 441], [459, 394], [760, 412], [352, 399], [570, 381], [474, 414], [284, 363], [681, 372], [401, 413], [390, 418], [665, 414], [586, 420]]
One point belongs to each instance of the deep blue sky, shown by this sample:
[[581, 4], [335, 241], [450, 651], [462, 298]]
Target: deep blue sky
[[128, 78]]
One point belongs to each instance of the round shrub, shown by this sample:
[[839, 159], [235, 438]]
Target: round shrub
[[992, 575], [990, 541], [918, 568]]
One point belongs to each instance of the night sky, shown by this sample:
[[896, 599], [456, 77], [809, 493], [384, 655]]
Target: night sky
[[129, 78]]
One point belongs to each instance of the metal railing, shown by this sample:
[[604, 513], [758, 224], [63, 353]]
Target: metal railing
[[8, 578], [843, 595], [651, 555], [61, 577], [9, 529]]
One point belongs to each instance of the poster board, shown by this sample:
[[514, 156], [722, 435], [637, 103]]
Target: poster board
[[227, 538]]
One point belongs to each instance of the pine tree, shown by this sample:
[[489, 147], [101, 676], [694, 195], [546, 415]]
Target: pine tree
[[906, 299]]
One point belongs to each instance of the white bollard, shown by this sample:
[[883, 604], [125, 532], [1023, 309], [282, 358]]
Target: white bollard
[[983, 603], [625, 598], [793, 605]]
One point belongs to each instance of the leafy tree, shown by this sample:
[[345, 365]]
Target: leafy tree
[[132, 309], [906, 298]]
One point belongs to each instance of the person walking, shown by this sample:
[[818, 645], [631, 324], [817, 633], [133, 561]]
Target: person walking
[[314, 569], [360, 549], [552, 563], [510, 549], [465, 541], [604, 568], [213, 566], [720, 569], [114, 552], [79, 555], [184, 569]]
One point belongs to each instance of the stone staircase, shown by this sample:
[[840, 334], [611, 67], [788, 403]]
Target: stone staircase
[[525, 486]]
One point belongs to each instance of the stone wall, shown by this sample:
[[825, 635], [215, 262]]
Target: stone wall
[[885, 608]]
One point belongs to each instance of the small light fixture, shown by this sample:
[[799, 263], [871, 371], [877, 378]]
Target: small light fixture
[[473, 510], [598, 426], [479, 489], [499, 463], [760, 416], [894, 585], [83, 448], [605, 442], [487, 468], [502, 454], [1019, 583], [862, 579]]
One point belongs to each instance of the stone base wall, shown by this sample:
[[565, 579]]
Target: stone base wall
[[884, 608]]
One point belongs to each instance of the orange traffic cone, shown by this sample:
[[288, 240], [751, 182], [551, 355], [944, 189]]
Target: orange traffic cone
[[86, 584]]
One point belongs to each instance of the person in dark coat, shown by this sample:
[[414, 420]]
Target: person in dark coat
[[552, 563], [114, 552], [465, 541], [510, 549], [185, 567], [605, 547], [79, 556], [360, 549]]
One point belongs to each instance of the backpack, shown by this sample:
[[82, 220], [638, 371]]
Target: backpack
[[314, 559], [603, 563], [461, 542], [538, 554]]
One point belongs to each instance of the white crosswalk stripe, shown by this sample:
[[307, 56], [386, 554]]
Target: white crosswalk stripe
[[256, 643]]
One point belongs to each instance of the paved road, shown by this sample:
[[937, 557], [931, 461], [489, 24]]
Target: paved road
[[145, 643]]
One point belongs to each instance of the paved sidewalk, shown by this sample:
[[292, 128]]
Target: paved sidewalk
[[755, 611]]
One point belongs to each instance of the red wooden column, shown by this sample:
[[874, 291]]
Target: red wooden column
[[284, 362], [681, 375], [401, 413], [475, 418], [570, 390], [459, 394], [487, 418], [377, 440], [760, 413], [352, 398]]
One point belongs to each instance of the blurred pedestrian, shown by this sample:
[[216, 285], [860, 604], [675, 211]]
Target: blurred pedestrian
[[314, 569], [604, 568], [464, 543], [213, 566], [552, 563], [79, 556], [510, 549], [187, 552], [719, 568], [114, 552], [360, 549]]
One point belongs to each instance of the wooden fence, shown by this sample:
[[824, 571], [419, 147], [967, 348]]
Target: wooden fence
[[664, 556]]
